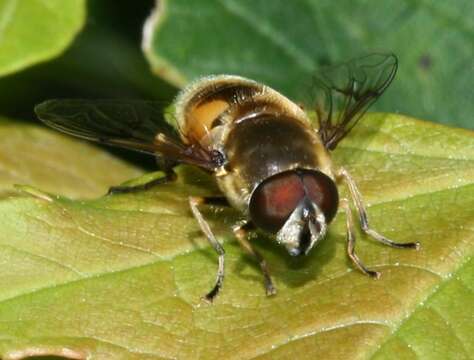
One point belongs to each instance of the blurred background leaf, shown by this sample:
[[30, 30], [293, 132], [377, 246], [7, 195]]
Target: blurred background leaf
[[104, 61], [283, 42], [34, 31], [31, 154]]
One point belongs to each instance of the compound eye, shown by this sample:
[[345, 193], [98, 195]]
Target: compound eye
[[322, 190], [274, 200]]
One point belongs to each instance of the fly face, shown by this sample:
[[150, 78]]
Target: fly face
[[268, 159], [297, 205]]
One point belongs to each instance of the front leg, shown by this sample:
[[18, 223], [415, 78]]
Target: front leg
[[363, 219], [170, 176]]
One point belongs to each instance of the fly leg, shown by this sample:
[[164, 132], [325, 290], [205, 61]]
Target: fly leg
[[170, 176], [363, 219], [240, 232], [351, 242], [194, 202]]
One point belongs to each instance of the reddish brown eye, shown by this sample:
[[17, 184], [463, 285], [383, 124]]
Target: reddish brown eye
[[276, 198], [323, 191]]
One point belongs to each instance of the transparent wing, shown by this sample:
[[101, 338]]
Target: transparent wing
[[344, 93], [132, 124]]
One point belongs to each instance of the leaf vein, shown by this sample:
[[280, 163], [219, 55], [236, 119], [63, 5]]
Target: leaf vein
[[428, 296]]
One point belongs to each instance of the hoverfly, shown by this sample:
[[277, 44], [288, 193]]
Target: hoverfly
[[268, 159]]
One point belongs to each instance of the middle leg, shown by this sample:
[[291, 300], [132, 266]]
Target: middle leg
[[240, 232]]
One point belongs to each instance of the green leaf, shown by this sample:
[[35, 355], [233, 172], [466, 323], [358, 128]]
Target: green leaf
[[34, 31], [56, 163], [283, 43], [122, 276]]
